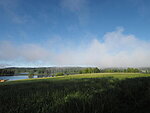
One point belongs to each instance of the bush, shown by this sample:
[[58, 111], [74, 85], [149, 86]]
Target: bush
[[59, 74]]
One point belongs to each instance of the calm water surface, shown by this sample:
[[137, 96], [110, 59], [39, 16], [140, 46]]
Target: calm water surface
[[15, 77]]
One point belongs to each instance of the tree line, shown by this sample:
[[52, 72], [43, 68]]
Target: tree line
[[58, 71], [6, 72], [127, 70]]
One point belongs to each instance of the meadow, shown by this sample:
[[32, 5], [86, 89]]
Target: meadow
[[83, 93]]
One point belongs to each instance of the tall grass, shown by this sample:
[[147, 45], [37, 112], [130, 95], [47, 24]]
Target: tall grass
[[92, 93]]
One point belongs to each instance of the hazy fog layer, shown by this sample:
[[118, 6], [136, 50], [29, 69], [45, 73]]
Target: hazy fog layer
[[115, 50]]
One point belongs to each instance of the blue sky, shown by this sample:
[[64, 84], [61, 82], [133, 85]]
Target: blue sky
[[65, 32]]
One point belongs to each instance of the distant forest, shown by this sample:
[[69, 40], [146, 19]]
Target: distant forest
[[58, 71]]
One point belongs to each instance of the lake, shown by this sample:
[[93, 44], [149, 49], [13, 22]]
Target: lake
[[15, 77]]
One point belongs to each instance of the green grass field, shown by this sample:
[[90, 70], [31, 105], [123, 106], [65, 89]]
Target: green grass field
[[85, 93]]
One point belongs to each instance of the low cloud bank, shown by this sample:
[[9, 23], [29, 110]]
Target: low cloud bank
[[116, 50]]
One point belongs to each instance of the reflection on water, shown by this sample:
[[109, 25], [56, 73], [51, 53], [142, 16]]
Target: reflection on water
[[22, 77], [15, 77]]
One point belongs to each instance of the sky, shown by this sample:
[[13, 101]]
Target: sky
[[103, 33]]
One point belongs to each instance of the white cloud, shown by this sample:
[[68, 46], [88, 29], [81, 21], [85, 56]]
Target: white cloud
[[116, 50], [78, 7], [23, 53], [142, 7], [7, 51], [73, 5], [34, 52]]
